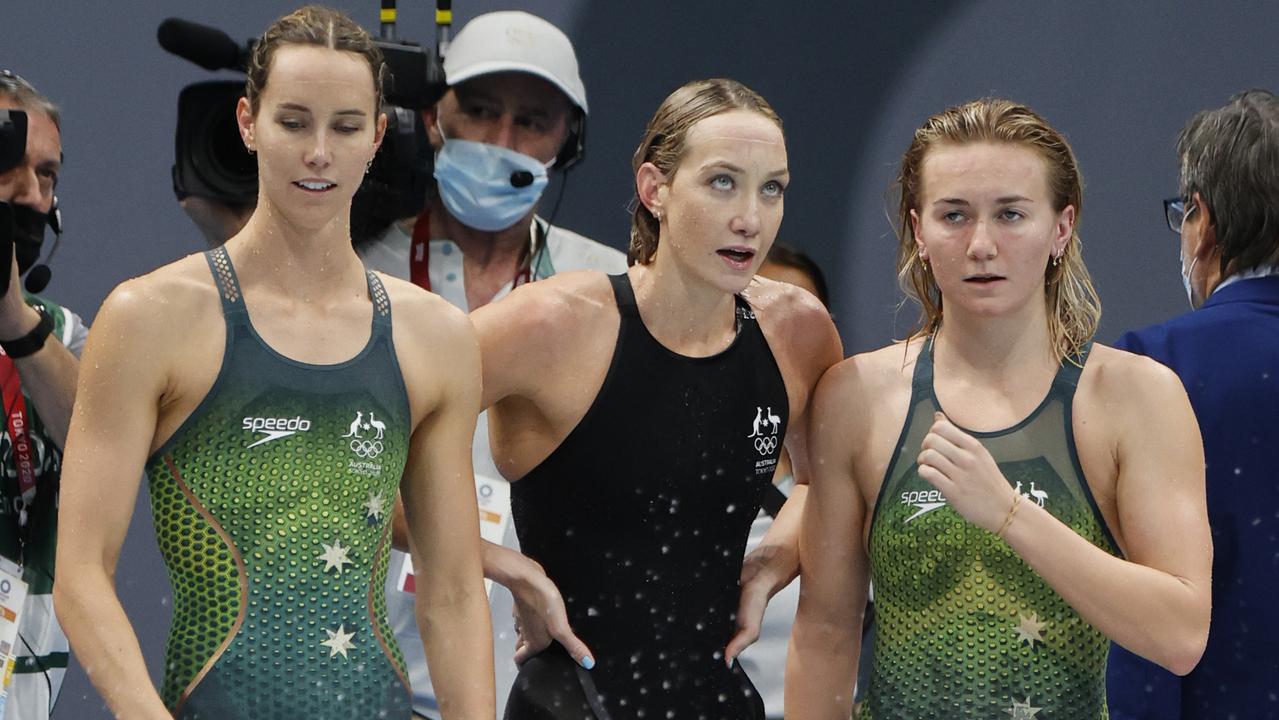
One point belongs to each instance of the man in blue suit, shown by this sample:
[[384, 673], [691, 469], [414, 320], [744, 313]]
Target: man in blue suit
[[1226, 352]]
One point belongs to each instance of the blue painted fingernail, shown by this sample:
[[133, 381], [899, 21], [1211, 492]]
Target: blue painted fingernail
[[588, 662]]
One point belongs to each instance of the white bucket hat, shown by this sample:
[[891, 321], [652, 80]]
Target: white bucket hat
[[514, 41]]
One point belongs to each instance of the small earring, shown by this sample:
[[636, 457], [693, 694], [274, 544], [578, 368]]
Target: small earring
[[368, 166], [250, 149], [923, 263], [1057, 260], [657, 214]]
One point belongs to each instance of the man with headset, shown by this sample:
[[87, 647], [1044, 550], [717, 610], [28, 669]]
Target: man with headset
[[514, 111], [38, 372]]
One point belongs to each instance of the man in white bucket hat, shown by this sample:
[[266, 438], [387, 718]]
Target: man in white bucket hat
[[515, 111]]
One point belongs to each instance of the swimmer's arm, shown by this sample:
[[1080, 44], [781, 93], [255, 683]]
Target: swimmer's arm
[[438, 492], [111, 431], [1156, 602], [821, 663], [539, 606], [540, 614], [807, 344]]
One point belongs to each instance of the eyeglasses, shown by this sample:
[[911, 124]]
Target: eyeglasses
[[1176, 212]]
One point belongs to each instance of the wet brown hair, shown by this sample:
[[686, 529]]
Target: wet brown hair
[[666, 140], [312, 25], [1073, 306]]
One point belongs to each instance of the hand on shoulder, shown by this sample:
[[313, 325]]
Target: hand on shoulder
[[786, 304]]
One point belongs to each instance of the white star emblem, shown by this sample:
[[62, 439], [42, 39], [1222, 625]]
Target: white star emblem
[[334, 557], [1028, 630], [375, 507], [1023, 710], [339, 641]]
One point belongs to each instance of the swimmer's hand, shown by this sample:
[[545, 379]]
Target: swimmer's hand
[[765, 571], [963, 470], [539, 613]]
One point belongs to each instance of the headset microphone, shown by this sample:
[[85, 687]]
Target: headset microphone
[[521, 178], [39, 276]]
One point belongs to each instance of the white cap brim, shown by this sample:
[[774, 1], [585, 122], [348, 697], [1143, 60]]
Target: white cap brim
[[479, 69]]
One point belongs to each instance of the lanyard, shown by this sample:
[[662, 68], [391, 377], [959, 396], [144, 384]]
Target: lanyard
[[18, 423], [420, 253]]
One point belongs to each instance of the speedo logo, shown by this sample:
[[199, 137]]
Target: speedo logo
[[925, 501], [275, 428]]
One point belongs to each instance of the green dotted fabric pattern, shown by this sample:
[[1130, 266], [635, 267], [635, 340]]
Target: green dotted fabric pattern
[[309, 514], [206, 582], [964, 628]]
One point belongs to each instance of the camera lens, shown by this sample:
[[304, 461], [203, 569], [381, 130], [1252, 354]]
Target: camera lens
[[211, 159], [220, 159]]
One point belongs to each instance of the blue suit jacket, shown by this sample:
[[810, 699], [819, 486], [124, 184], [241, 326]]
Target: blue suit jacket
[[1227, 356]]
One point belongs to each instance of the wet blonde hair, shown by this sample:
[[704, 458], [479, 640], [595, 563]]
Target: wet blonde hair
[[312, 25], [1073, 306], [666, 140]]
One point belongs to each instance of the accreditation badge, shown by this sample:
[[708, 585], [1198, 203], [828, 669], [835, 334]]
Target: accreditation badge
[[13, 596], [494, 498]]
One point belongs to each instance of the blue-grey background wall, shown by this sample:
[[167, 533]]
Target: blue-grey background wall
[[850, 79]]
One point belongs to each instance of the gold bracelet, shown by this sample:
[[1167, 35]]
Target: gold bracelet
[[1009, 520]]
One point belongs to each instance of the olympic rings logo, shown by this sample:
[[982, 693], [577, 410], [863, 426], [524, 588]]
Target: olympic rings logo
[[366, 448], [766, 444]]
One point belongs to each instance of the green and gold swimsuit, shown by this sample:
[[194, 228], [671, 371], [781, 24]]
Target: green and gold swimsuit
[[272, 506], [965, 628]]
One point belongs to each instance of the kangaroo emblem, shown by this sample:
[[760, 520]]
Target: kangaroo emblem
[[355, 425], [759, 420]]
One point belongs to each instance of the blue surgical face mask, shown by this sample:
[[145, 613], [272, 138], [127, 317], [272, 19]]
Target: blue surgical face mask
[[1187, 271], [1185, 279], [488, 187]]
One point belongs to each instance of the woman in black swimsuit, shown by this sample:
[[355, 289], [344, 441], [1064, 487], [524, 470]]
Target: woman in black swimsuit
[[641, 417]]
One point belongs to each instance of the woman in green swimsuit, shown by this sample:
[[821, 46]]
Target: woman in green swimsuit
[[1019, 495], [278, 396]]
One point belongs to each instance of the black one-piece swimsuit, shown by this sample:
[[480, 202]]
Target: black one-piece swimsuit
[[641, 517]]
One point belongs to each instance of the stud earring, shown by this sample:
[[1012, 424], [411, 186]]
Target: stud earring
[[250, 149]]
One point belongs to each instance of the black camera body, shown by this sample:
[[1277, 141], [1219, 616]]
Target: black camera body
[[13, 145], [210, 158], [20, 225], [211, 161], [13, 138]]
